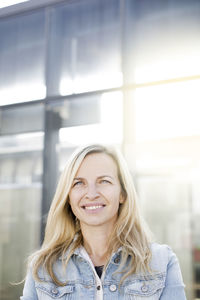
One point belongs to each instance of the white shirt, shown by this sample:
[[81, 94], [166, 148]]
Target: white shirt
[[99, 293]]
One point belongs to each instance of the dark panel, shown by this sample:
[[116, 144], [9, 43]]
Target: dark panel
[[21, 119]]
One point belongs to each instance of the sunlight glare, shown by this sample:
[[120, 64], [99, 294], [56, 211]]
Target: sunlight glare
[[108, 131], [179, 67], [22, 93], [5, 3], [90, 83], [168, 110]]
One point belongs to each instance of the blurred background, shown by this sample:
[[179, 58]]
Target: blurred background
[[123, 72]]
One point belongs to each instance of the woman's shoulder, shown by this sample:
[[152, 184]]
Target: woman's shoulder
[[160, 248], [162, 254]]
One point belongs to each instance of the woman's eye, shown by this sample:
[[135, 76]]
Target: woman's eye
[[77, 183], [104, 181]]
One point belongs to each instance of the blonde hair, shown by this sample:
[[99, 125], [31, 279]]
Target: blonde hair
[[130, 232]]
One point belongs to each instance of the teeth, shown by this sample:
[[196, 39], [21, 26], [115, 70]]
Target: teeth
[[93, 207]]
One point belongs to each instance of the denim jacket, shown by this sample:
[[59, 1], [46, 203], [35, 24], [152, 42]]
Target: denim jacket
[[164, 283]]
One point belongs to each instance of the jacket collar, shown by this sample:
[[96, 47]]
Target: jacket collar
[[77, 251]]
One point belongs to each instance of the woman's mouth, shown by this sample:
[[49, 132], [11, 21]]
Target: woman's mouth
[[93, 208]]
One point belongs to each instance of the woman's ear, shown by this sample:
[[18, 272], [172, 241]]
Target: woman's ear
[[121, 199]]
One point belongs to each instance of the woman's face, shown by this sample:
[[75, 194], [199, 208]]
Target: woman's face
[[95, 194]]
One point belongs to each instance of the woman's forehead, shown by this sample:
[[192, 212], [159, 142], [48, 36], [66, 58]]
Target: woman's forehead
[[98, 162]]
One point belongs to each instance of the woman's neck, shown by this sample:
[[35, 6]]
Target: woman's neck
[[96, 243]]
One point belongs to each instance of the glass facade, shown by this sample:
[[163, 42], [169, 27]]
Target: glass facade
[[119, 72], [96, 128], [22, 58], [163, 40], [20, 207], [80, 38]]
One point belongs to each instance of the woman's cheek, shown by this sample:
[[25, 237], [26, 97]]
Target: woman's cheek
[[76, 195]]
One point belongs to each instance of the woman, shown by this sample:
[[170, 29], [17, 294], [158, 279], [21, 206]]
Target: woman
[[96, 245]]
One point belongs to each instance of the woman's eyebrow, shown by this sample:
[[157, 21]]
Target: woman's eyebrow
[[102, 176], [78, 178], [99, 177]]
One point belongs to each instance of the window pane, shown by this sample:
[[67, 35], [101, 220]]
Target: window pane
[[28, 118], [163, 39], [85, 47], [170, 110], [166, 203], [19, 235], [20, 207], [107, 128], [22, 58]]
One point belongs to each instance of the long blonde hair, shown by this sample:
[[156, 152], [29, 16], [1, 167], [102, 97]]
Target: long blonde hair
[[130, 232]]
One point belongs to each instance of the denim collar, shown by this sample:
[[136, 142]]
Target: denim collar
[[77, 251]]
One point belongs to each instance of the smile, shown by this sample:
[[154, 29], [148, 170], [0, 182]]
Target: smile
[[93, 207]]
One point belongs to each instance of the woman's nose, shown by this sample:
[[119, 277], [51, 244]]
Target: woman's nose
[[92, 191]]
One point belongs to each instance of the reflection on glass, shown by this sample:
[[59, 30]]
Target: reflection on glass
[[22, 58], [164, 40], [108, 130], [90, 83], [85, 40], [20, 207], [19, 235], [22, 93], [25, 142], [166, 203]]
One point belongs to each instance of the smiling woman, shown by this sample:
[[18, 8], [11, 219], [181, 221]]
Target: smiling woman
[[95, 195], [96, 244]]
